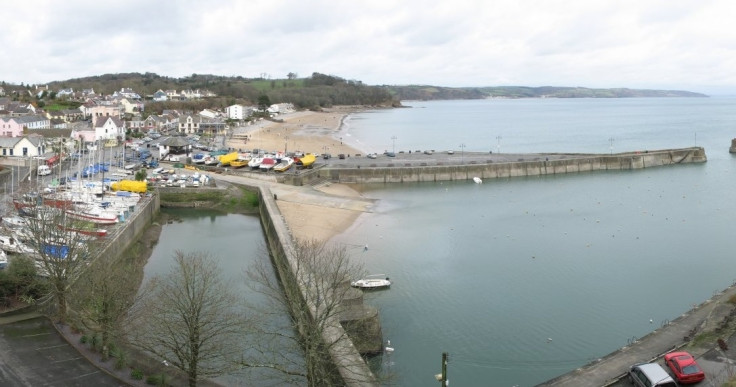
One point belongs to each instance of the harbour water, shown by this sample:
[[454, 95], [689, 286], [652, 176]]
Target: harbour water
[[523, 279]]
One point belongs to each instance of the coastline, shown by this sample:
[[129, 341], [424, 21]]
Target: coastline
[[313, 132], [307, 131]]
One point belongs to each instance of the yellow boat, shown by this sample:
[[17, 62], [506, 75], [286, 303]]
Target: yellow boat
[[238, 163], [225, 160], [307, 160]]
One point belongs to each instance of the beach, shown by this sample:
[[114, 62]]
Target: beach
[[309, 132], [304, 131]]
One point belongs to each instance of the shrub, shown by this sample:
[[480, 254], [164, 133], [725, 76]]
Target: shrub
[[84, 339], [95, 342], [157, 380], [121, 358], [136, 374]]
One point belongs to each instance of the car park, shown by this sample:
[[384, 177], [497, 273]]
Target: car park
[[650, 375], [684, 367]]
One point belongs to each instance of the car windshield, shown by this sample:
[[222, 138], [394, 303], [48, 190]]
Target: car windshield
[[690, 369]]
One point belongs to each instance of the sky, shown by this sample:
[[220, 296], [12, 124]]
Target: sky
[[654, 44]]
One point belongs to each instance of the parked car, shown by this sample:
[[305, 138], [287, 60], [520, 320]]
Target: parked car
[[341, 156], [650, 375], [684, 366]]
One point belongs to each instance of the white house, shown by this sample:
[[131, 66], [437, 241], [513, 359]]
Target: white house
[[34, 122], [109, 128], [160, 96], [27, 146]]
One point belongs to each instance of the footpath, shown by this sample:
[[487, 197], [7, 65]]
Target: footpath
[[707, 317]]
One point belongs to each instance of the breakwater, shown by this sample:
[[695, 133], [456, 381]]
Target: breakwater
[[344, 355], [511, 166]]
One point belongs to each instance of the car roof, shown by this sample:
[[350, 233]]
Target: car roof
[[653, 371]]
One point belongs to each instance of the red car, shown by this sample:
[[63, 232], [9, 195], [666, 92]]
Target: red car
[[684, 366]]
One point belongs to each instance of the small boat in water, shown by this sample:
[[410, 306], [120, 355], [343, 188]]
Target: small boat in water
[[477, 180], [371, 282]]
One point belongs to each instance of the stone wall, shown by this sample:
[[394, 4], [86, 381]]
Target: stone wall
[[345, 357], [489, 170]]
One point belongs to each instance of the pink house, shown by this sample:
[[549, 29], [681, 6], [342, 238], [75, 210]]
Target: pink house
[[10, 127]]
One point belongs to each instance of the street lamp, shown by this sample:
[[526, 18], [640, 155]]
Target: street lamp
[[286, 142], [462, 153], [394, 139], [498, 145], [610, 141]]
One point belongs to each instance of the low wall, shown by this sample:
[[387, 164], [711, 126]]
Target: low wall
[[575, 163], [123, 237], [353, 369]]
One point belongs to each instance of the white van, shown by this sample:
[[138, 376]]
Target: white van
[[43, 170]]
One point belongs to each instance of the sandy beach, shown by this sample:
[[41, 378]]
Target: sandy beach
[[305, 131], [313, 132]]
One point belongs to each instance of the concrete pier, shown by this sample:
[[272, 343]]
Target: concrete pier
[[422, 168]]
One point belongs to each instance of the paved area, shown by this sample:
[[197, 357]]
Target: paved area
[[707, 317], [33, 353]]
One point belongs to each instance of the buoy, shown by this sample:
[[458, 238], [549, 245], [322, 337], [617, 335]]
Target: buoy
[[651, 321]]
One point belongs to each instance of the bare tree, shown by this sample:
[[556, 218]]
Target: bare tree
[[314, 293], [103, 295], [61, 253], [190, 319]]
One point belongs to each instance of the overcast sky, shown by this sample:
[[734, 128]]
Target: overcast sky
[[662, 44]]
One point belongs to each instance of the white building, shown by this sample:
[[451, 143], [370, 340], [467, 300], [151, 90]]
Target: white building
[[109, 128], [235, 112]]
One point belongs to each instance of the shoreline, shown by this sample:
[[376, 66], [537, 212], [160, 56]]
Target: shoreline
[[306, 131], [313, 132]]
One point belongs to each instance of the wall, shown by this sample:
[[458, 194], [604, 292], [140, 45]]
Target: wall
[[352, 367], [538, 166]]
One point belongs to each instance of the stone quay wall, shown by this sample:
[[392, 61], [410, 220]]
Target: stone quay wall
[[345, 357], [123, 237], [549, 164]]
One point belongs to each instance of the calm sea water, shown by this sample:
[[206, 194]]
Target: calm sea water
[[523, 279], [490, 273]]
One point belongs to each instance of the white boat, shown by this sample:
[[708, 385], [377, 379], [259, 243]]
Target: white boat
[[93, 214], [15, 222], [255, 162], [374, 281], [267, 163], [11, 244], [477, 180], [284, 164]]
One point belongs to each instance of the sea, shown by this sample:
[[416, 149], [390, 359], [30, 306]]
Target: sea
[[520, 280]]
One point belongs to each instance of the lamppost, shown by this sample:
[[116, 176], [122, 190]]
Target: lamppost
[[286, 142], [462, 153], [498, 144], [394, 140], [610, 141]]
